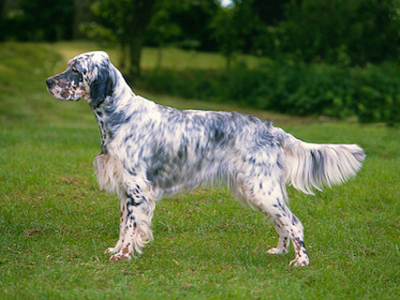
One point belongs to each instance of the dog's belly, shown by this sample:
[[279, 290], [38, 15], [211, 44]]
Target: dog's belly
[[186, 172]]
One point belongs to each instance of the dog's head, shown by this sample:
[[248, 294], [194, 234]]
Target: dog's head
[[88, 76]]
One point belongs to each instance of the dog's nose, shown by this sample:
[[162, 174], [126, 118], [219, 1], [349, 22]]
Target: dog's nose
[[49, 81]]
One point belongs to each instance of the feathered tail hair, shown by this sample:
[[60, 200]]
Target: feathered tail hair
[[315, 165]]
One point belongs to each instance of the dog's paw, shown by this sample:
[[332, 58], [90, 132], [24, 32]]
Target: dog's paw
[[115, 249], [110, 251], [120, 257], [300, 261], [277, 251]]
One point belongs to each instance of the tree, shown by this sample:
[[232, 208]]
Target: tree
[[37, 20], [270, 12], [128, 20], [350, 31], [184, 23], [82, 15], [194, 18], [162, 29], [48, 19], [233, 27]]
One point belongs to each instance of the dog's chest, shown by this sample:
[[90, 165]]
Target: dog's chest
[[109, 172]]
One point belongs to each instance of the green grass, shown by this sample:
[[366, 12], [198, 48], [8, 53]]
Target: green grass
[[172, 58], [55, 222]]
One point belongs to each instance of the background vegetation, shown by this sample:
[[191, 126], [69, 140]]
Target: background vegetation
[[371, 93], [337, 58]]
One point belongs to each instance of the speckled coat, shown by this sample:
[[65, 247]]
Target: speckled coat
[[149, 151]]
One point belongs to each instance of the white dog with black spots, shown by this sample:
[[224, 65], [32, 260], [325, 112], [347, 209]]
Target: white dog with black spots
[[149, 151]]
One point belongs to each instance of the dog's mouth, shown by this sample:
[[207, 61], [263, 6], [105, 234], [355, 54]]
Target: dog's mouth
[[63, 90]]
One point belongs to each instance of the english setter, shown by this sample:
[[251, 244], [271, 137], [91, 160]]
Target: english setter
[[149, 151]]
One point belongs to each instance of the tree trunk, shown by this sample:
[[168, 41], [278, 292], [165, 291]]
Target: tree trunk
[[82, 15], [141, 13], [135, 50], [123, 56]]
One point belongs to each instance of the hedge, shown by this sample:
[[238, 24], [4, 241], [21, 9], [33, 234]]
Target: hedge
[[372, 93]]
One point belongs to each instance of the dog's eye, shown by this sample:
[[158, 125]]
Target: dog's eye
[[75, 71]]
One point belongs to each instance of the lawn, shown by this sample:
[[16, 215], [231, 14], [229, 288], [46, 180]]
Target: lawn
[[55, 222]]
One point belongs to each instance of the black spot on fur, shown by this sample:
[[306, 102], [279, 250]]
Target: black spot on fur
[[102, 86]]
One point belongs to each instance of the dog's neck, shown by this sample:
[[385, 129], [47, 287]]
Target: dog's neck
[[110, 112], [99, 115]]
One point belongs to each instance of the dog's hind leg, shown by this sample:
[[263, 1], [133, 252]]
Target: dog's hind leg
[[139, 207], [270, 200], [283, 238], [290, 226]]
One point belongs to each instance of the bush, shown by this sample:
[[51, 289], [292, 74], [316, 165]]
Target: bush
[[371, 93], [341, 31], [378, 93]]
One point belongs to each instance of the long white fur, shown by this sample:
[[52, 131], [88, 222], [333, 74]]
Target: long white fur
[[315, 165]]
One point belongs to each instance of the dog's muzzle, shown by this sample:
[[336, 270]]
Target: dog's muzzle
[[50, 85]]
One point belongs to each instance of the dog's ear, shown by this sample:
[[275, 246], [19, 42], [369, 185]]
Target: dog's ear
[[102, 86]]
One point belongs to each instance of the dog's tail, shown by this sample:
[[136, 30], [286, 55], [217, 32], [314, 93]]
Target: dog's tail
[[313, 165]]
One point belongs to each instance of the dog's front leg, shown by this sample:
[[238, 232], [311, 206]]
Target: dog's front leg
[[122, 227], [139, 208]]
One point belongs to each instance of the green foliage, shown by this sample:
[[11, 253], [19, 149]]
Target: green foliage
[[128, 20], [233, 26], [340, 32], [378, 93], [39, 20], [371, 93], [183, 23], [360, 30]]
